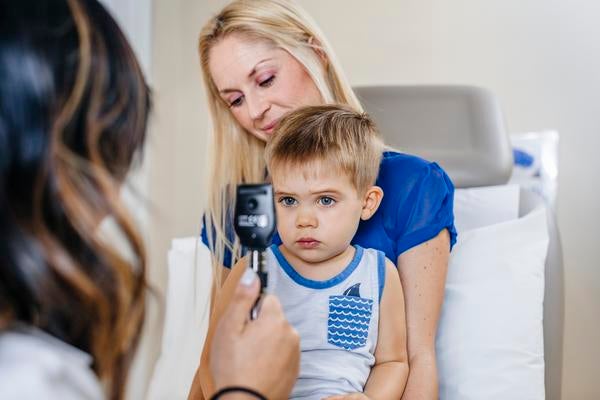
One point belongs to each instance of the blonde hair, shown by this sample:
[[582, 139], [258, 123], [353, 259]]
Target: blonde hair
[[337, 135], [236, 155]]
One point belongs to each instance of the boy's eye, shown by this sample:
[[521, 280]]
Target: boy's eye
[[267, 82], [326, 201], [288, 201]]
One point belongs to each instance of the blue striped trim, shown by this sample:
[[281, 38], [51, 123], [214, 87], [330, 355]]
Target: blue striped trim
[[312, 284], [381, 272]]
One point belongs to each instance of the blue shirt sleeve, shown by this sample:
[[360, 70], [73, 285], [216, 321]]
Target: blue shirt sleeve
[[204, 235], [427, 209], [417, 205]]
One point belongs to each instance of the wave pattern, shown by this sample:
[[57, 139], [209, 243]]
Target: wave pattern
[[348, 322]]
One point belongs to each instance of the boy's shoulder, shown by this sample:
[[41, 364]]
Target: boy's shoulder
[[381, 257]]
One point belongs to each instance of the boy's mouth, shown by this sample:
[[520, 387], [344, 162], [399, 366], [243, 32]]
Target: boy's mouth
[[308, 243]]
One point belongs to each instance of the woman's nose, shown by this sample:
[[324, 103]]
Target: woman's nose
[[257, 107]]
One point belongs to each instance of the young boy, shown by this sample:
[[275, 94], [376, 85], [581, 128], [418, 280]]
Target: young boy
[[345, 301]]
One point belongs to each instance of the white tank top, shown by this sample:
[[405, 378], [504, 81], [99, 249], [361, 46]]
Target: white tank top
[[337, 320]]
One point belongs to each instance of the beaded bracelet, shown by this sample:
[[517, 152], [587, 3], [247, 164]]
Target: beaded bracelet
[[230, 389]]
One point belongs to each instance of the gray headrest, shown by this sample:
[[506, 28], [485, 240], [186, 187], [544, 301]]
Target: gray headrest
[[459, 127]]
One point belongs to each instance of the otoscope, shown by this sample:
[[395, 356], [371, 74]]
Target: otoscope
[[255, 225]]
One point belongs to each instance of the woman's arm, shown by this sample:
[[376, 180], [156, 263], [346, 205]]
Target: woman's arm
[[423, 275], [217, 285], [224, 274]]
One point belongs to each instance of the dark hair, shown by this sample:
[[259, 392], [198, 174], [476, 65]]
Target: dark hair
[[73, 115]]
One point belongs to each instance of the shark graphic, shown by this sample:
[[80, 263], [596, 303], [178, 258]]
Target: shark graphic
[[353, 290]]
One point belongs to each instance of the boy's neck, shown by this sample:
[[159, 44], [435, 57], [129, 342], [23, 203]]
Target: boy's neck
[[323, 269]]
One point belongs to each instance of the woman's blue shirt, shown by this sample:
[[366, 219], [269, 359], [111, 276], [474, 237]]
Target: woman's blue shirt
[[417, 205]]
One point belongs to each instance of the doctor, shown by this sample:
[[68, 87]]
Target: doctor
[[73, 113]]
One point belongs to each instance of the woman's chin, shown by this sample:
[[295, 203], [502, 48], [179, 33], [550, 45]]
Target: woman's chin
[[262, 135]]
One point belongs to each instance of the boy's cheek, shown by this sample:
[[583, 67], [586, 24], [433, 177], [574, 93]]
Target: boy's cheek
[[279, 213], [285, 222]]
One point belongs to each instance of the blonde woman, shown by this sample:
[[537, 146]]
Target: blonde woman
[[263, 58]]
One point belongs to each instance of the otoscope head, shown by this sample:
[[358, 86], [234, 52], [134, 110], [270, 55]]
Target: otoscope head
[[254, 219]]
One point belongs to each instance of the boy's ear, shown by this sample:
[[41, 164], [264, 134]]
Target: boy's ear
[[371, 202]]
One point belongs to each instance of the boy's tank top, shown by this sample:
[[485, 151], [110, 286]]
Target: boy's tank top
[[337, 320]]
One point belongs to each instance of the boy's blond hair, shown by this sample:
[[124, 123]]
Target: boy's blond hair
[[345, 139]]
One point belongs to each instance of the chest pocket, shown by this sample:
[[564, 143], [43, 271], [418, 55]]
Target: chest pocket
[[348, 322]]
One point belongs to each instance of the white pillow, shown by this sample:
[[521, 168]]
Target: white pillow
[[490, 338], [186, 319], [483, 206]]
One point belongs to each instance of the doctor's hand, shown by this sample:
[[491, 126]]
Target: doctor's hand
[[261, 354]]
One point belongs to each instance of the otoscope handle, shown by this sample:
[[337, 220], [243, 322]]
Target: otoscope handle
[[258, 263]]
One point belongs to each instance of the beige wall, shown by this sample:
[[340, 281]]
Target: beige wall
[[541, 58]]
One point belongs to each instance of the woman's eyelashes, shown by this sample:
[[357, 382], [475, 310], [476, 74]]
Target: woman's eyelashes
[[264, 83], [267, 82], [236, 102]]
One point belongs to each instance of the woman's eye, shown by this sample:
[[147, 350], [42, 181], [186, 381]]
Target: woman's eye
[[288, 201], [267, 82], [236, 102], [326, 201]]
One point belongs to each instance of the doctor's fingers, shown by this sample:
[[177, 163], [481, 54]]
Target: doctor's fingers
[[276, 344], [234, 319], [271, 322]]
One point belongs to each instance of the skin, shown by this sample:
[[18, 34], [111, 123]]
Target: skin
[[259, 83], [318, 210], [422, 269], [423, 274]]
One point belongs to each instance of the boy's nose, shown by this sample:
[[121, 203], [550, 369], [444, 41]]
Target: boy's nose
[[306, 219]]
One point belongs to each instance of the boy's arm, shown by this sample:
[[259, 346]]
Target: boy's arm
[[390, 372], [203, 384]]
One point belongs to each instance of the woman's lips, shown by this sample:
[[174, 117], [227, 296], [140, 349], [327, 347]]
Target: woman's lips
[[308, 243], [270, 127]]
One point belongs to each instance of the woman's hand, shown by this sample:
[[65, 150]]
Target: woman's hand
[[348, 396], [261, 354]]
